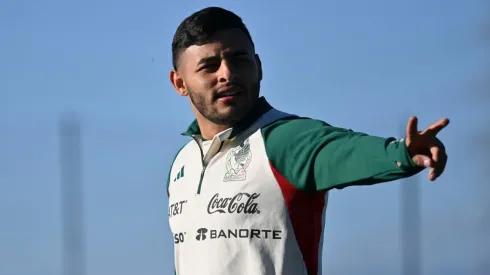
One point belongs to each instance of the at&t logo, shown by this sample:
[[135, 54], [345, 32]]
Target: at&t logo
[[176, 208]]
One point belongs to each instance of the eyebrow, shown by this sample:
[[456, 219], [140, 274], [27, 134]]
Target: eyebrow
[[207, 59], [238, 53], [214, 58]]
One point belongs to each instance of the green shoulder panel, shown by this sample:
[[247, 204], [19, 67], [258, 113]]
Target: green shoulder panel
[[315, 156]]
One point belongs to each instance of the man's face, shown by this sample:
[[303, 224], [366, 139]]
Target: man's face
[[222, 78]]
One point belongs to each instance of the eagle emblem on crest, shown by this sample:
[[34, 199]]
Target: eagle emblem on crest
[[237, 161]]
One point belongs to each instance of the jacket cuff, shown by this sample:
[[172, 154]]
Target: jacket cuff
[[402, 155]]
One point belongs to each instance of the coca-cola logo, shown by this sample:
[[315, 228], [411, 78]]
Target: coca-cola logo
[[241, 203]]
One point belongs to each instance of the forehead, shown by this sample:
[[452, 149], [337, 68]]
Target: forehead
[[221, 44]]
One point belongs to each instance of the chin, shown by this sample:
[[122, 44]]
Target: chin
[[232, 114]]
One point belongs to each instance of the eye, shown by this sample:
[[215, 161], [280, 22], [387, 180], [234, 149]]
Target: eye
[[209, 67], [241, 59]]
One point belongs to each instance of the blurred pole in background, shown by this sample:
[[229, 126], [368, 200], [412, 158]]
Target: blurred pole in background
[[484, 148], [410, 225], [72, 196]]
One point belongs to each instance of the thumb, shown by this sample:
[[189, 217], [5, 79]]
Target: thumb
[[422, 161]]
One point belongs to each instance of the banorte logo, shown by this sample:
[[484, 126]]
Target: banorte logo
[[201, 234], [238, 233], [240, 203]]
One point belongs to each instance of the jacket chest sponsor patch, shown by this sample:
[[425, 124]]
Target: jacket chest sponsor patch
[[241, 203], [176, 208], [242, 233]]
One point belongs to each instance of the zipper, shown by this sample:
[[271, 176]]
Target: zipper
[[204, 165]]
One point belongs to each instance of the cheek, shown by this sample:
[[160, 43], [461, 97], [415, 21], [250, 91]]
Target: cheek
[[209, 82], [250, 73], [201, 83], [200, 87], [251, 79]]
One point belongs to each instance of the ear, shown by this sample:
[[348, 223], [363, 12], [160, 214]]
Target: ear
[[259, 66], [178, 83]]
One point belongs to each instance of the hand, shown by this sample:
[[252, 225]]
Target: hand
[[426, 150]]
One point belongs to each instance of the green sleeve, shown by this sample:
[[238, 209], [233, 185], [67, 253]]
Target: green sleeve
[[315, 156]]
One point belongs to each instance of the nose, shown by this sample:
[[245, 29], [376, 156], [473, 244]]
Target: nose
[[226, 72]]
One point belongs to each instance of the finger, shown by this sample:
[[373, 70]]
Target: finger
[[411, 126], [442, 163], [439, 166], [436, 127], [422, 161], [435, 152]]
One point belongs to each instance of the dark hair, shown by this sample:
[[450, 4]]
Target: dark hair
[[198, 28]]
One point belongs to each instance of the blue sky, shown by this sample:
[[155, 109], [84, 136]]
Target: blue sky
[[364, 65]]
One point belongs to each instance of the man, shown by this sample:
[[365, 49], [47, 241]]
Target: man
[[247, 194]]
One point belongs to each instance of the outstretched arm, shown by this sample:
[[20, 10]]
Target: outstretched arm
[[314, 156]]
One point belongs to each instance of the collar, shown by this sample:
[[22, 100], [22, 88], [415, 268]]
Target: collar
[[260, 108]]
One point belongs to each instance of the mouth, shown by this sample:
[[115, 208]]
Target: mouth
[[228, 93]]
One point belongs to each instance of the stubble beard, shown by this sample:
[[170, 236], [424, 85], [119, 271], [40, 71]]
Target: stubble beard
[[225, 118]]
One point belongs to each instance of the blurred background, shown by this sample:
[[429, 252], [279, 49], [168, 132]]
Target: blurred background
[[89, 125]]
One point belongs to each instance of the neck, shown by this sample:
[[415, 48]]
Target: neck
[[210, 129]]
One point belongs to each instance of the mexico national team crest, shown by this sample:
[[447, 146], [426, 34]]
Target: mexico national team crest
[[237, 161]]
